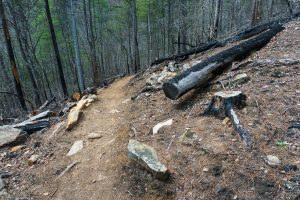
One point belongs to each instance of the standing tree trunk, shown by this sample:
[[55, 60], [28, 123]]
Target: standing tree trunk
[[12, 57], [95, 66], [77, 50], [136, 53], [56, 50], [149, 32]]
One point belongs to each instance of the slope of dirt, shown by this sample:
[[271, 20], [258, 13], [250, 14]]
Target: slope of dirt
[[215, 166]]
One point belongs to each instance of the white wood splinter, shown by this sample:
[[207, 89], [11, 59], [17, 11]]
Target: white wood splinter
[[223, 104]]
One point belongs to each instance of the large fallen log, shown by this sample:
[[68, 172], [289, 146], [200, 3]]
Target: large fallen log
[[245, 34], [203, 72], [32, 126]]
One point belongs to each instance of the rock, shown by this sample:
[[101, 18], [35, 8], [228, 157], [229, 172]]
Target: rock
[[152, 81], [93, 136], [188, 137], [171, 66], [290, 168], [186, 66], [158, 126], [240, 79], [272, 161], [73, 119], [226, 121], [2, 188], [11, 136], [76, 147], [205, 169], [147, 157], [32, 159], [17, 148]]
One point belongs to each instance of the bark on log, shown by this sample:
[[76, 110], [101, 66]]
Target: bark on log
[[246, 34], [223, 104], [203, 72]]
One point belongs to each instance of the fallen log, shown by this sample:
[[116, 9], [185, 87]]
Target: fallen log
[[203, 72], [245, 34], [223, 104], [32, 126]]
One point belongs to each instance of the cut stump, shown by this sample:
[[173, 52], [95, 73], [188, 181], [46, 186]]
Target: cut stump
[[223, 104]]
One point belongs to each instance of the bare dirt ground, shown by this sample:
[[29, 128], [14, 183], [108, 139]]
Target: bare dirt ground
[[215, 166]]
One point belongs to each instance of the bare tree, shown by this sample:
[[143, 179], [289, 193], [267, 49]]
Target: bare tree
[[76, 49], [56, 50]]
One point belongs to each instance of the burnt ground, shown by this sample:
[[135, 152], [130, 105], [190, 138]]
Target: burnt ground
[[214, 166]]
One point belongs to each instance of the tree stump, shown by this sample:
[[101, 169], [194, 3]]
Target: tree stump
[[223, 104]]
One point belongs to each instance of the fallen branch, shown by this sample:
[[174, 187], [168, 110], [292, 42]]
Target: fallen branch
[[68, 168], [147, 89]]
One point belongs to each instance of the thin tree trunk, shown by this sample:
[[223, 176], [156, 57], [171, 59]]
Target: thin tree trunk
[[77, 50], [12, 58], [95, 67], [135, 37], [56, 50]]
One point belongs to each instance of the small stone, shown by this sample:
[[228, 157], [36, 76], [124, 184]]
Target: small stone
[[17, 148], [147, 157], [32, 159], [272, 161], [171, 66], [76, 147], [205, 169], [235, 197], [186, 67], [290, 168], [240, 78], [188, 137], [93, 136], [160, 125], [226, 121]]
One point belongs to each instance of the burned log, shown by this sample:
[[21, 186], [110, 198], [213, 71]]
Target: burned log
[[223, 104], [203, 72], [32, 126]]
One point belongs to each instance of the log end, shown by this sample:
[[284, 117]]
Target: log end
[[171, 91]]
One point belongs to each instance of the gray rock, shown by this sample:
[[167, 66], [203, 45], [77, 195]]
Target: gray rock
[[273, 161], [240, 79], [171, 66], [2, 188], [11, 136], [147, 157], [76, 147], [188, 137]]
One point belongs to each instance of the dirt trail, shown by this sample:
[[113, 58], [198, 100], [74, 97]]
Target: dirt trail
[[100, 160]]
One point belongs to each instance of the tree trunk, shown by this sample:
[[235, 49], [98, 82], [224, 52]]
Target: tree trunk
[[77, 50], [136, 53], [201, 73], [95, 66], [12, 57], [56, 50]]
